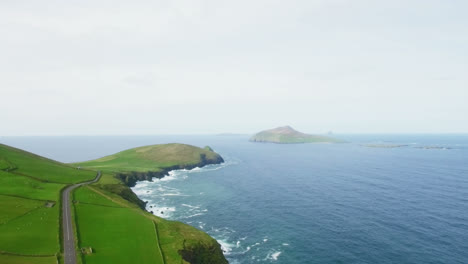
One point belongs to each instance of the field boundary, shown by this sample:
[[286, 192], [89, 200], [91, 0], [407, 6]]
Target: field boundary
[[159, 244], [19, 196], [107, 197], [19, 216], [35, 178], [24, 255], [103, 205]]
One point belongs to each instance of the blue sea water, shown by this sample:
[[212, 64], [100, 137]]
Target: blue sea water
[[309, 203]]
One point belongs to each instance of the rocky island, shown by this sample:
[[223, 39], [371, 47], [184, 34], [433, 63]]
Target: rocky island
[[288, 135]]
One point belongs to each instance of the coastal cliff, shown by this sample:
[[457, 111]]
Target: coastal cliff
[[130, 178], [184, 243]]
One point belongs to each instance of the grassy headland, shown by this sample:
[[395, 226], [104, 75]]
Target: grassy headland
[[146, 162], [287, 135], [110, 224], [111, 196]]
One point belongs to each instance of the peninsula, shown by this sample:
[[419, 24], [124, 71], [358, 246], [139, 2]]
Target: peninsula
[[100, 212], [287, 135], [155, 161]]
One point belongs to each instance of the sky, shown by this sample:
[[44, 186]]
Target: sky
[[205, 67]]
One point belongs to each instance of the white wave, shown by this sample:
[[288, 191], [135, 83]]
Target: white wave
[[140, 192], [170, 177], [285, 244], [245, 251], [201, 225], [142, 184], [223, 230], [190, 216], [172, 194], [273, 255], [225, 246], [191, 206], [265, 240], [162, 211]]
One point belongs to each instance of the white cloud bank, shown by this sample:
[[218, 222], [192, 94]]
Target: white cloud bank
[[161, 67]]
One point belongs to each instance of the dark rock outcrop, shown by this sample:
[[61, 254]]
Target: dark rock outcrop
[[131, 178]]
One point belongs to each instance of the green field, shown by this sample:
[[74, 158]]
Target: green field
[[153, 158], [35, 233], [12, 259], [30, 205], [43, 169], [13, 184], [106, 227], [102, 215], [14, 207]]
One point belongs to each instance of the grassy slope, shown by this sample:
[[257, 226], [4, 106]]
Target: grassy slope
[[116, 226], [287, 135], [115, 232], [174, 236], [102, 215], [13, 184], [35, 233], [44, 169], [12, 259], [14, 207], [28, 226], [151, 158]]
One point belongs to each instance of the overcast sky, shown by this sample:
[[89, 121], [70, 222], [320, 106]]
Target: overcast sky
[[199, 67]]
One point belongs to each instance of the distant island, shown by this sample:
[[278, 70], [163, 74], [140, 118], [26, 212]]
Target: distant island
[[288, 135]]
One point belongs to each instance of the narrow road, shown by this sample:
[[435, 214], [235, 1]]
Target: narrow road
[[67, 225]]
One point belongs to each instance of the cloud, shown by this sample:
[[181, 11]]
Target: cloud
[[157, 65]]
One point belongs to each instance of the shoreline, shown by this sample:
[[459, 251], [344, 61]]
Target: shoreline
[[167, 173], [132, 177]]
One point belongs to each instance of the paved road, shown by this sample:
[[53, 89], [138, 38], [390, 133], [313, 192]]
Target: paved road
[[67, 225]]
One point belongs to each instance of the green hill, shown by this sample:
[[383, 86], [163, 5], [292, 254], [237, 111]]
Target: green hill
[[144, 163], [110, 225], [30, 188], [287, 135]]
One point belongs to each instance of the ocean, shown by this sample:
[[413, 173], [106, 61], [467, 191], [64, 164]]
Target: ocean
[[377, 199]]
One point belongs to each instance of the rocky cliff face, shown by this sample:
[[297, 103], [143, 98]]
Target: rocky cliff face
[[131, 178], [202, 254]]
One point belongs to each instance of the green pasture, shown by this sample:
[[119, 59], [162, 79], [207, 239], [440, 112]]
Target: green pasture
[[13, 207], [35, 166], [33, 233], [151, 158], [86, 195], [12, 184], [116, 234], [15, 259]]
